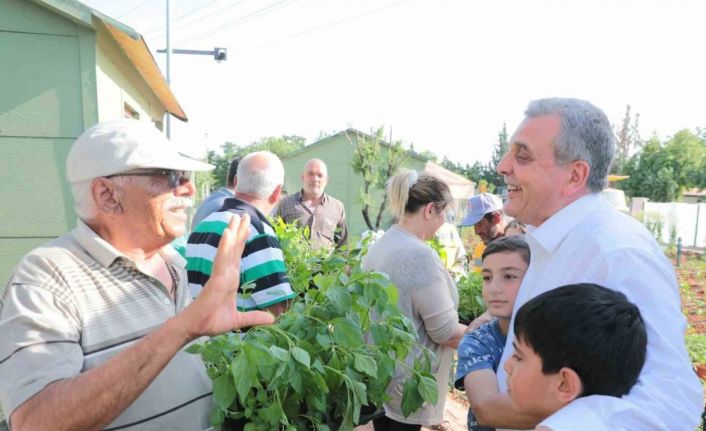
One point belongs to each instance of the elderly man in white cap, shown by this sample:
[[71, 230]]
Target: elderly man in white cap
[[93, 325]]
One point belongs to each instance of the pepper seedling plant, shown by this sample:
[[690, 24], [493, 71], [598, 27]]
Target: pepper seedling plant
[[332, 353]]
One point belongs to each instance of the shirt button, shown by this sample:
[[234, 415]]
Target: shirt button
[[167, 302]]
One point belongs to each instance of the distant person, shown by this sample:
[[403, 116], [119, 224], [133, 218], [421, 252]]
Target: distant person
[[485, 214], [456, 259], [427, 293], [323, 214], [505, 262], [571, 343], [259, 183], [514, 227], [215, 200]]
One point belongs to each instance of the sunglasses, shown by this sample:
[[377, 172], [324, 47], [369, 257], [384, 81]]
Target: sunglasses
[[174, 178]]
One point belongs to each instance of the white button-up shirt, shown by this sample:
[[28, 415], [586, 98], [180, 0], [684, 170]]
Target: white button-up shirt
[[589, 241]]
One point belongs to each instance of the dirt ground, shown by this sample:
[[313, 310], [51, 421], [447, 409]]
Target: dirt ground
[[455, 412]]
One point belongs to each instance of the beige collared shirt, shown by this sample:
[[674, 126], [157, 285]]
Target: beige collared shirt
[[326, 221], [75, 302]]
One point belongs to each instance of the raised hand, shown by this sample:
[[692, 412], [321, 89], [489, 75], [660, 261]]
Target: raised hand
[[214, 310]]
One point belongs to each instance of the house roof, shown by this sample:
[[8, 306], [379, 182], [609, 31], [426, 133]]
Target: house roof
[[130, 42], [350, 131], [460, 186]]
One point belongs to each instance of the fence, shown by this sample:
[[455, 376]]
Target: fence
[[672, 220]]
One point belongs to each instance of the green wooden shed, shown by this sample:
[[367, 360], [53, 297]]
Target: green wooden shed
[[64, 67], [345, 185]]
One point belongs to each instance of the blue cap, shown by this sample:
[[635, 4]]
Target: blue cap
[[480, 205]]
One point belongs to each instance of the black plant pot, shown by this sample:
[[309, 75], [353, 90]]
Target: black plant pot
[[367, 414]]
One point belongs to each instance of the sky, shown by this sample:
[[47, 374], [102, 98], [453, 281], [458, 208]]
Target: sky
[[443, 75]]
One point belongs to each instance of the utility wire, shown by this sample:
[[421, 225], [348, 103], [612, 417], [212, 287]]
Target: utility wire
[[248, 17], [130, 11], [191, 12], [331, 24]]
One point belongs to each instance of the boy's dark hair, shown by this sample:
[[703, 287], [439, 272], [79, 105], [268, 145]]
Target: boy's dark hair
[[593, 330], [514, 243], [232, 171], [517, 225]]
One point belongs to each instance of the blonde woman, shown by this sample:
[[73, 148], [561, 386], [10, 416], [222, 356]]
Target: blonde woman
[[427, 294]]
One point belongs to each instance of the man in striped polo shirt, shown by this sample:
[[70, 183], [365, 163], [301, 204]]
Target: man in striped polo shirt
[[93, 324], [262, 272]]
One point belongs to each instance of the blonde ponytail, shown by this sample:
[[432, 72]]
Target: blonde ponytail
[[408, 191], [398, 191]]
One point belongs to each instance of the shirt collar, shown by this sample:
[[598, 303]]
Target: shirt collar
[[553, 231], [227, 191], [300, 196], [105, 254]]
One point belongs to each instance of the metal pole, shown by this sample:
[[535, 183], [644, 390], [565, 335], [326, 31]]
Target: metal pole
[[169, 60], [696, 229], [679, 252]]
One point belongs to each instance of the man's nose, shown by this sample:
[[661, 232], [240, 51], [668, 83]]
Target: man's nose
[[503, 165]]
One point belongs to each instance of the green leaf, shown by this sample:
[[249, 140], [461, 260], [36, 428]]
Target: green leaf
[[360, 392], [295, 379], [386, 367], [346, 332], [365, 364], [244, 375], [194, 348], [320, 383], [271, 414], [428, 389], [411, 400], [301, 356], [379, 333], [224, 391], [279, 353], [340, 298], [217, 418], [317, 365]]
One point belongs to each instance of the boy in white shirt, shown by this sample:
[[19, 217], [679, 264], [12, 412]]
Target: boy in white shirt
[[575, 341]]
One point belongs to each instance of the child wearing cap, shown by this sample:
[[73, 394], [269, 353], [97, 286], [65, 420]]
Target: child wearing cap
[[575, 341], [504, 263]]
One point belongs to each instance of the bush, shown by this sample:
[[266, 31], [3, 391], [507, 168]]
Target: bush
[[332, 353], [470, 296]]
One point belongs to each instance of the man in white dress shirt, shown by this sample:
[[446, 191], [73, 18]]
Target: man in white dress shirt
[[557, 163]]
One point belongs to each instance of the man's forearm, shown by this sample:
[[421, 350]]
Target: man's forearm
[[108, 389], [497, 411]]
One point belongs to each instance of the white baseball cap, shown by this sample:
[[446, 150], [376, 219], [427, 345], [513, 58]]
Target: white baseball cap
[[119, 146], [480, 205]]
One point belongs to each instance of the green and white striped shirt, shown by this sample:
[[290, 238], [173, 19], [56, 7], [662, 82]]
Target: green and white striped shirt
[[262, 264]]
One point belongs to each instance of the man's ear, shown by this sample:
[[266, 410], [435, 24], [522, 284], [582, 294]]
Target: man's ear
[[274, 197], [578, 177], [106, 196], [496, 218], [569, 386]]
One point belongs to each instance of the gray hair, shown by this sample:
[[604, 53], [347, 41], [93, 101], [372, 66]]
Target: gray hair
[[84, 204], [586, 134], [259, 173]]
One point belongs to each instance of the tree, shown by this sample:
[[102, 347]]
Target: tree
[[376, 162], [499, 150], [280, 145], [628, 142], [662, 172]]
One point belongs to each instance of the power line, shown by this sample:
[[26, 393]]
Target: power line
[[331, 24], [249, 17], [192, 11], [130, 11]]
